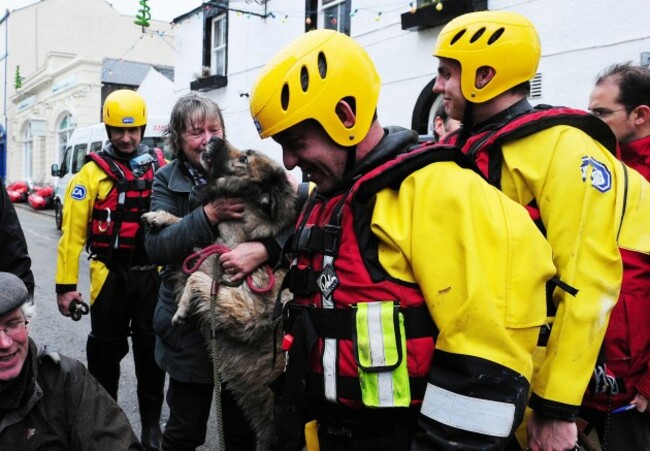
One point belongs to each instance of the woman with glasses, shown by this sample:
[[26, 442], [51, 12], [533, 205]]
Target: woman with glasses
[[48, 400]]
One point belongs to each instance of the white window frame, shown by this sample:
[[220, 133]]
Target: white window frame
[[218, 45], [28, 151], [64, 131], [326, 8]]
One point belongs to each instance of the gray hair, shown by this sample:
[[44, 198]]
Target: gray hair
[[192, 107], [29, 310]]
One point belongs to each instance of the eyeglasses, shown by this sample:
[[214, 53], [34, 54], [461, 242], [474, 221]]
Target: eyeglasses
[[14, 328], [604, 112]]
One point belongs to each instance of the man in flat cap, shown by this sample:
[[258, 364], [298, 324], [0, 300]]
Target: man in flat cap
[[48, 400]]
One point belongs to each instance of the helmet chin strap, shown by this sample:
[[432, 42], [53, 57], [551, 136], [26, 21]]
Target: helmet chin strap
[[467, 122], [351, 159]]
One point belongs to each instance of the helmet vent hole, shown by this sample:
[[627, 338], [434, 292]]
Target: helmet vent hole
[[477, 35], [457, 37], [304, 79], [284, 99], [495, 36], [322, 65]]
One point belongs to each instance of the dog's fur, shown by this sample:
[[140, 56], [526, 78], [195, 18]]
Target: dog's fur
[[244, 325]]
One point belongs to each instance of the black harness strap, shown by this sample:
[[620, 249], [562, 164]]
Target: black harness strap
[[324, 240], [349, 388], [339, 323], [128, 216]]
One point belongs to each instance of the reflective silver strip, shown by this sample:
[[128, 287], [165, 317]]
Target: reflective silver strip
[[330, 345], [385, 388], [378, 355], [375, 334], [482, 416]]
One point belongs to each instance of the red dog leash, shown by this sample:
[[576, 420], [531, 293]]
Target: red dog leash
[[194, 261]]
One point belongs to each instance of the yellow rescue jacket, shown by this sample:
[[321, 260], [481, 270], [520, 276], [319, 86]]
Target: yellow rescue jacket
[[88, 185], [472, 264], [589, 204]]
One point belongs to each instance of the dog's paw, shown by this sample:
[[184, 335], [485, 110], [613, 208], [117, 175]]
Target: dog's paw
[[159, 219], [178, 320]]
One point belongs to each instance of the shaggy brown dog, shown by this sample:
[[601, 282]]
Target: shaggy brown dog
[[243, 320]]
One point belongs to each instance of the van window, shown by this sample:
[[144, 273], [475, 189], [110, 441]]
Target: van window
[[157, 141], [79, 157], [96, 146], [63, 167]]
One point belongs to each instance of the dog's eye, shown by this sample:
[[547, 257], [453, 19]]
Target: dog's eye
[[243, 159]]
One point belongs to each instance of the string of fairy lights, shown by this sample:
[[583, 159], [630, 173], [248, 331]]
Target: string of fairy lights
[[377, 10], [144, 15]]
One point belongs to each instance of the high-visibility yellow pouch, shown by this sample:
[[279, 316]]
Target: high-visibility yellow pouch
[[380, 352]]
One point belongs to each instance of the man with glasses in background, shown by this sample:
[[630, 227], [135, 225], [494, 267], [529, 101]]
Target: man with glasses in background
[[48, 400], [617, 398]]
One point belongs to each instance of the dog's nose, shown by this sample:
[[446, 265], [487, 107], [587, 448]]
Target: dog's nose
[[216, 142]]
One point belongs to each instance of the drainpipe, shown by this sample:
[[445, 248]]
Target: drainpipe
[[3, 156]]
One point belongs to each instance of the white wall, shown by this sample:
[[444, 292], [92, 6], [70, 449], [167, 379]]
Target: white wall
[[158, 93], [252, 41], [88, 31], [579, 39]]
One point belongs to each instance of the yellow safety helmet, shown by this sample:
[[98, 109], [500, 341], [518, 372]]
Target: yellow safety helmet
[[125, 108], [308, 78], [505, 41]]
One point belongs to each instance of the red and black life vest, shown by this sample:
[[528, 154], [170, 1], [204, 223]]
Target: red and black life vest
[[335, 267], [485, 146], [115, 223]]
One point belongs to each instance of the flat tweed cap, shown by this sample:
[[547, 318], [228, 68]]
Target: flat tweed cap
[[13, 293]]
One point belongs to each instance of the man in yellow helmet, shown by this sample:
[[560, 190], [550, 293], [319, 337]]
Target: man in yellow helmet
[[395, 253], [104, 202], [559, 163]]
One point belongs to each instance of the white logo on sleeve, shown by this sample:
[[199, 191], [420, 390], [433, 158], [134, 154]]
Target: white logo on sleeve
[[600, 177], [78, 192]]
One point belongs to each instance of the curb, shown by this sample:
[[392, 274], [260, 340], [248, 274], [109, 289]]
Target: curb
[[25, 206]]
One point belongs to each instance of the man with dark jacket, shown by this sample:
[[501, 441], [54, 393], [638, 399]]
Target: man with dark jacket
[[13, 246], [49, 401]]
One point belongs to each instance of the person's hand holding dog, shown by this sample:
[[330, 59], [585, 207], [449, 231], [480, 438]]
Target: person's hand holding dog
[[223, 208], [243, 259]]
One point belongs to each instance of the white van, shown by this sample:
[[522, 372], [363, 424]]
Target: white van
[[92, 139]]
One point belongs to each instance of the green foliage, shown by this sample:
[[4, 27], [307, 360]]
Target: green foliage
[[18, 81], [143, 15]]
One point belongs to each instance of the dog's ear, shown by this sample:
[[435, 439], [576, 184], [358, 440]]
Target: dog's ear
[[270, 204], [265, 201], [280, 198]]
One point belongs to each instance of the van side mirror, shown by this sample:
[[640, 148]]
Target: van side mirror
[[55, 170]]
